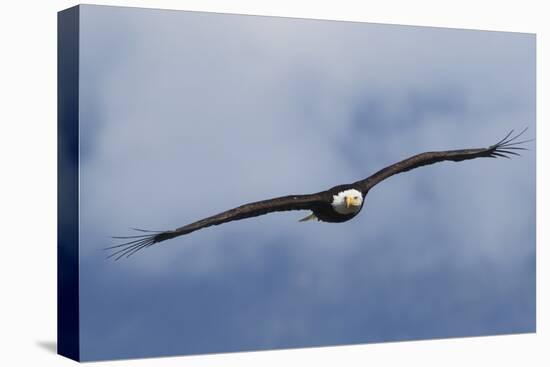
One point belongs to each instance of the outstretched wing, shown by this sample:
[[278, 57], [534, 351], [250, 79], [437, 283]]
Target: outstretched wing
[[507, 146], [291, 202]]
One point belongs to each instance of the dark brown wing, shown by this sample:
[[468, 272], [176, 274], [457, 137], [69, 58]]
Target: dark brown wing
[[507, 146], [285, 203]]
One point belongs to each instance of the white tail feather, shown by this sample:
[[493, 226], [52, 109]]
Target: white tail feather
[[309, 217]]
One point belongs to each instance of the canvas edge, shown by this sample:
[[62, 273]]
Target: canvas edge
[[68, 325]]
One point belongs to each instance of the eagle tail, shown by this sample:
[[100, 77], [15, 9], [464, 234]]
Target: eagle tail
[[309, 217]]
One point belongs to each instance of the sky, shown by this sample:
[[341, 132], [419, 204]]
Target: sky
[[187, 114]]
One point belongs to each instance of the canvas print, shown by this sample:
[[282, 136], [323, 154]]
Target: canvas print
[[241, 183]]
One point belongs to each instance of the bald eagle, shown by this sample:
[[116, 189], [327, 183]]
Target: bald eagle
[[335, 205]]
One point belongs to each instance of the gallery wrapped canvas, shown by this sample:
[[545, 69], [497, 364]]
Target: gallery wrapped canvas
[[241, 183]]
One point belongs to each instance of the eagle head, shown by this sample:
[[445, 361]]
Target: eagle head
[[347, 201]]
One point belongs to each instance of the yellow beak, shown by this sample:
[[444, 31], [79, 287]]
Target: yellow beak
[[348, 201]]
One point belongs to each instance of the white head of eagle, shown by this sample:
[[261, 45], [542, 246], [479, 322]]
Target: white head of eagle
[[347, 201]]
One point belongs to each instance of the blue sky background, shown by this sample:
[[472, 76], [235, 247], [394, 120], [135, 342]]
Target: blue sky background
[[184, 115]]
